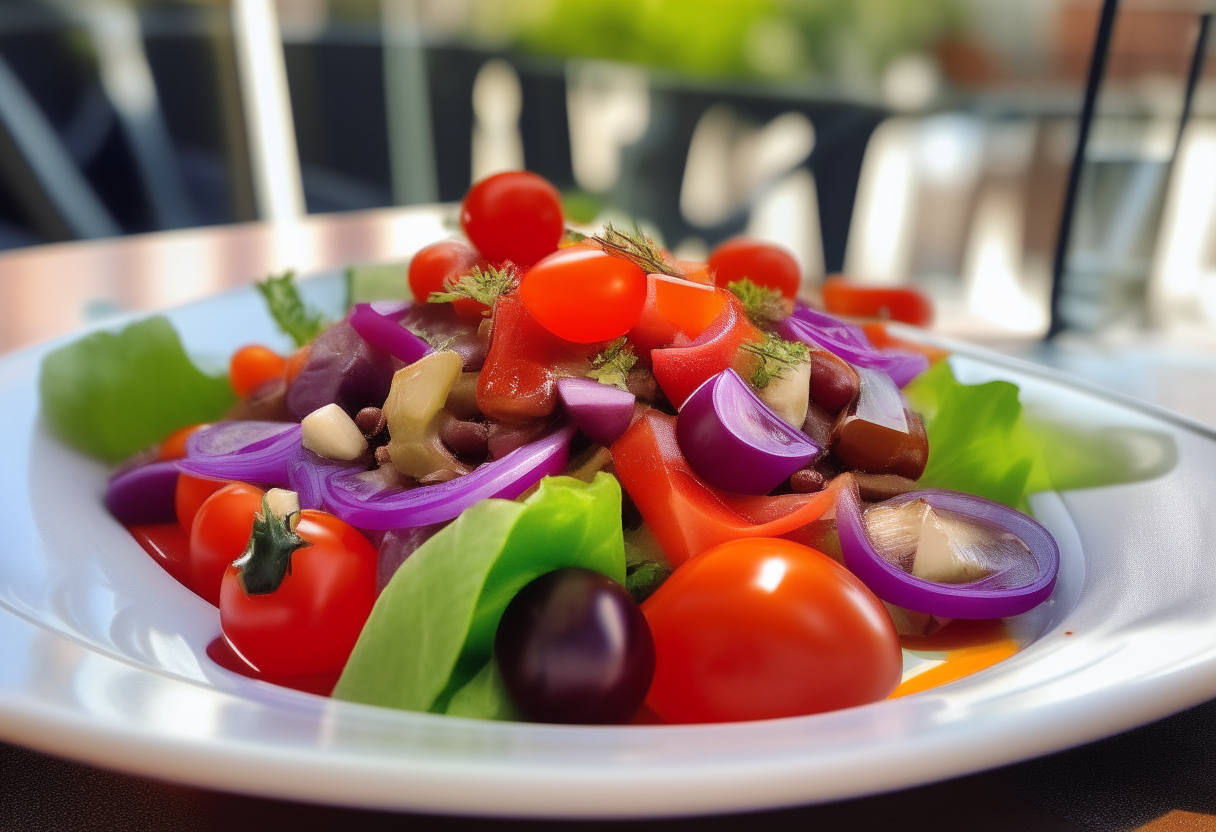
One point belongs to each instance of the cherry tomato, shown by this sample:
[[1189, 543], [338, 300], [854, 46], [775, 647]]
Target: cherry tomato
[[218, 535], [764, 628], [189, 496], [251, 366], [573, 647], [296, 362], [894, 303], [514, 216], [310, 623], [762, 263], [445, 260], [584, 295], [173, 446]]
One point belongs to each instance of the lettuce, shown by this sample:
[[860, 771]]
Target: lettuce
[[111, 395], [428, 642], [979, 441]]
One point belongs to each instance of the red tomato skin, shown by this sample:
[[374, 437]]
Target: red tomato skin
[[514, 216], [310, 623], [890, 303], [189, 496], [252, 366], [764, 264], [218, 535], [444, 260], [766, 628], [583, 295], [681, 370]]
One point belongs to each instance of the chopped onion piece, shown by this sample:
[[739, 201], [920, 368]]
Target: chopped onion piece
[[735, 442], [250, 451], [880, 401], [1019, 557], [601, 411], [378, 324]]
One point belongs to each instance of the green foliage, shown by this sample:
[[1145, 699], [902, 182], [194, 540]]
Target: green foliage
[[978, 439], [283, 300], [111, 395]]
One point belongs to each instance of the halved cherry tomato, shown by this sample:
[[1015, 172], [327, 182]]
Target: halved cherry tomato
[[764, 264], [309, 624], [584, 295], [218, 536], [892, 303], [514, 216], [766, 628], [253, 365], [438, 262]]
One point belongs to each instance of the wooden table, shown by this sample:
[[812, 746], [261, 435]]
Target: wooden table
[[1159, 777]]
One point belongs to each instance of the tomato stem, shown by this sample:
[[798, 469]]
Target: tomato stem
[[637, 248], [267, 556]]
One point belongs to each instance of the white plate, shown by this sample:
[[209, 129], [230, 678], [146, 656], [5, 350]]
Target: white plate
[[102, 654]]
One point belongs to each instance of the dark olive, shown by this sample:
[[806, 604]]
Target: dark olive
[[573, 647]]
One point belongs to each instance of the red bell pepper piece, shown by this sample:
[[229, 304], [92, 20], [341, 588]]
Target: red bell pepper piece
[[688, 516], [518, 381], [681, 370]]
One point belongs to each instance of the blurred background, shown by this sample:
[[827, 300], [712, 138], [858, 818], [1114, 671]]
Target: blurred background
[[925, 143]]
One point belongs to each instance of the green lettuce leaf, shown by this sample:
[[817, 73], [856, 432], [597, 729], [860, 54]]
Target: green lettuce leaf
[[111, 395], [432, 629], [979, 441]]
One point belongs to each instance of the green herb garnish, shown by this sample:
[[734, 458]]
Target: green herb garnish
[[764, 306], [612, 366], [482, 285], [287, 308], [637, 248], [776, 356]]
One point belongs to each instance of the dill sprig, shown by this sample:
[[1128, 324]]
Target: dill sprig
[[612, 366], [776, 356], [287, 308], [764, 306], [637, 248], [482, 285]]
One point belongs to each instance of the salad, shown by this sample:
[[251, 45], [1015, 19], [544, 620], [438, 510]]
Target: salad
[[572, 479]]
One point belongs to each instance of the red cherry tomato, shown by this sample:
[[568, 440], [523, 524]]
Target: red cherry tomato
[[251, 366], [892, 303], [514, 216], [447, 259], [189, 496], [584, 295], [764, 628], [218, 535], [762, 263], [311, 622]]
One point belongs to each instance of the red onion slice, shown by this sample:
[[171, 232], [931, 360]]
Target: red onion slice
[[995, 596], [378, 324], [308, 473], [144, 494], [368, 506], [735, 442], [250, 451], [601, 411], [816, 328]]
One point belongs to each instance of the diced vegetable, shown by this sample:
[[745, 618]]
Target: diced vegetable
[[143, 494], [735, 442], [379, 325], [601, 411], [687, 515]]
